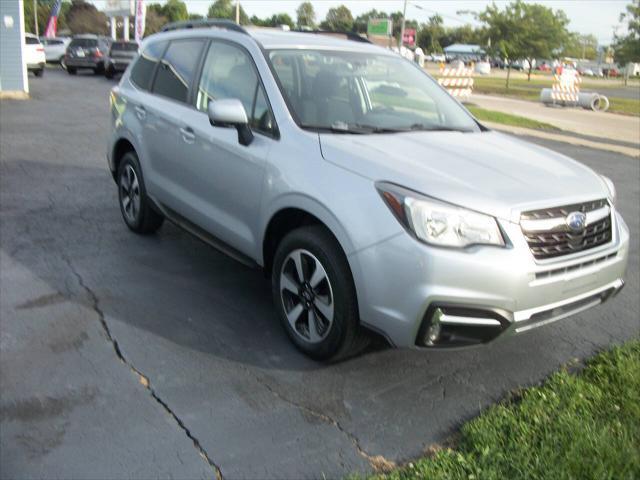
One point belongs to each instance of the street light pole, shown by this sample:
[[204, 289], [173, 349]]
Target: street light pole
[[35, 16], [238, 12], [404, 18]]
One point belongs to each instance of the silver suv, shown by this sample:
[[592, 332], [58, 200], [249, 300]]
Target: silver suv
[[371, 197]]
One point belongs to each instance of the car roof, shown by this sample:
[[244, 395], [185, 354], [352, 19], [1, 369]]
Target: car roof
[[276, 38], [270, 38]]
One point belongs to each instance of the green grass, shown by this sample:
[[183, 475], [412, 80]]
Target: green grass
[[508, 119], [584, 426], [522, 89]]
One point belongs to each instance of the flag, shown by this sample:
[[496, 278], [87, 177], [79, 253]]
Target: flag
[[52, 24], [141, 10]]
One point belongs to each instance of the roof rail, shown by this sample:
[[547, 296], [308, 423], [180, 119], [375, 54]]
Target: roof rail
[[331, 33], [206, 23]]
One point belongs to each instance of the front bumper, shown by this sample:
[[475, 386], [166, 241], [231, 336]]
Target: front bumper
[[401, 283]]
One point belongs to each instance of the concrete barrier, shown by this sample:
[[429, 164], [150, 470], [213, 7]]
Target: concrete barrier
[[588, 100]]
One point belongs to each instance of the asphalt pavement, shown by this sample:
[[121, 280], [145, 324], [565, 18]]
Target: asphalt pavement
[[158, 357]]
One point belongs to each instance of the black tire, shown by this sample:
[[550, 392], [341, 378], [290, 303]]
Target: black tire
[[39, 73], [71, 70], [143, 219], [109, 73], [345, 338]]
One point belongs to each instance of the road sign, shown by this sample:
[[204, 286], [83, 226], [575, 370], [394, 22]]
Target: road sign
[[119, 8], [380, 26], [409, 37]]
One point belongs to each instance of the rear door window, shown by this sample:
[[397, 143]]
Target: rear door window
[[177, 69], [142, 71], [31, 41]]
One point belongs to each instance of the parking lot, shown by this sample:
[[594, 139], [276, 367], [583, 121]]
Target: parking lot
[[128, 356]]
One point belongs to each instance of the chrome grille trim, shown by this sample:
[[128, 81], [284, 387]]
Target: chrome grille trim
[[548, 235]]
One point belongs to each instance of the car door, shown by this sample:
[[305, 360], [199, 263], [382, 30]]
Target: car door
[[223, 177], [165, 135]]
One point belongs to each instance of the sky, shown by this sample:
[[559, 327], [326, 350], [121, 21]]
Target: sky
[[597, 17]]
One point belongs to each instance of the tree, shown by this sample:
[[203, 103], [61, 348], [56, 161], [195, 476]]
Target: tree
[[274, 21], [44, 10], [430, 34], [626, 48], [306, 15], [175, 11], [338, 20], [84, 17], [227, 9], [580, 46], [524, 31], [154, 19]]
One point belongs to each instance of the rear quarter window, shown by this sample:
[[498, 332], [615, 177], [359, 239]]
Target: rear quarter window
[[31, 41], [142, 70], [177, 69]]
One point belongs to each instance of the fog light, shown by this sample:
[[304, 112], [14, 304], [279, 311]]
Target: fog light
[[433, 334]]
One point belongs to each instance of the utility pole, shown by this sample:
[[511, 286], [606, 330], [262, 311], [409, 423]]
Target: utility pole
[[404, 18], [238, 12], [35, 16]]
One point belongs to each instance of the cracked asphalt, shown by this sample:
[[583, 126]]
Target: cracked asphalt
[[158, 357]]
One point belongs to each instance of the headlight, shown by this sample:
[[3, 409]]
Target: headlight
[[439, 223], [611, 187]]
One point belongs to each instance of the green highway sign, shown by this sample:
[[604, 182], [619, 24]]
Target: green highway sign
[[380, 26]]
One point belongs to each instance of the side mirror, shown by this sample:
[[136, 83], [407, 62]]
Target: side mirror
[[230, 113]]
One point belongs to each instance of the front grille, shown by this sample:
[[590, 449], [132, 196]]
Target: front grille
[[561, 240]]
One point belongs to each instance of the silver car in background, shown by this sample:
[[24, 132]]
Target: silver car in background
[[372, 199], [121, 54]]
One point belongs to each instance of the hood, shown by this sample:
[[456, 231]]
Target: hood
[[486, 171]]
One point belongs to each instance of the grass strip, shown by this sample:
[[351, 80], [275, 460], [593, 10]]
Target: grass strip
[[508, 119], [584, 426]]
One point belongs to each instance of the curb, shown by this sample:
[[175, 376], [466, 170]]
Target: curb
[[558, 137]]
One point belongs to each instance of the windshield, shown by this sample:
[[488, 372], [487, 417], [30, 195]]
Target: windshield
[[84, 42], [355, 92]]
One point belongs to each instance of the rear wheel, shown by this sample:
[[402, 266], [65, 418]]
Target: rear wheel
[[135, 206], [39, 73], [315, 296], [71, 70], [109, 72]]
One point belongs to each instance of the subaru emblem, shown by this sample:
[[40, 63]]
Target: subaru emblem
[[576, 221]]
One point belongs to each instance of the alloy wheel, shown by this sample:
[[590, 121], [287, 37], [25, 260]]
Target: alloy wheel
[[130, 193], [307, 296]]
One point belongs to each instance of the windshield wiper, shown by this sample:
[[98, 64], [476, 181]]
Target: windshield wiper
[[346, 129], [437, 128]]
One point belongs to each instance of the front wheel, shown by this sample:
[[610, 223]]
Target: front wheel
[[314, 295], [71, 70], [135, 206]]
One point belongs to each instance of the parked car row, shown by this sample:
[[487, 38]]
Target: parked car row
[[100, 54], [82, 52]]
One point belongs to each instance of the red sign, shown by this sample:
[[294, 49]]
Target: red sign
[[409, 37]]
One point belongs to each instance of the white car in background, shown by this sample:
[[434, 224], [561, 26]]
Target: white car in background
[[55, 48], [34, 54]]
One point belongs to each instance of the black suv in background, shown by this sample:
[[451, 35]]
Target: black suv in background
[[88, 52], [121, 54]]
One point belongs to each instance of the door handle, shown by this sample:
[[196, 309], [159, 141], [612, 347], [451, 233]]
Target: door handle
[[141, 112], [188, 135]]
